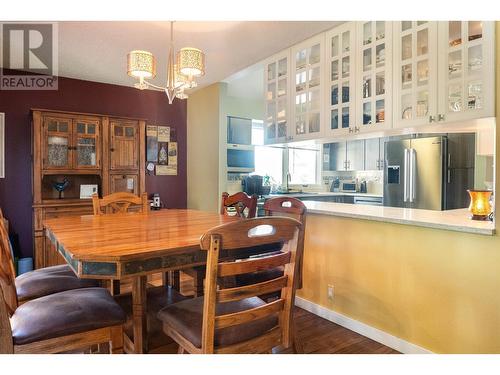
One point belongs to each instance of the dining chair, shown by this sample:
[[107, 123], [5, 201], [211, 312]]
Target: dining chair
[[288, 207], [245, 206], [120, 202], [236, 320], [65, 321], [158, 297], [40, 282]]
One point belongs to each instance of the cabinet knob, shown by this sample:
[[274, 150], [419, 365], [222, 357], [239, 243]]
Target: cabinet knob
[[111, 149], [350, 130], [356, 129], [441, 117], [432, 118]]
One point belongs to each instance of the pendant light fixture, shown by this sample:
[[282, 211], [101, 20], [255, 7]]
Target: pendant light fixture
[[181, 72]]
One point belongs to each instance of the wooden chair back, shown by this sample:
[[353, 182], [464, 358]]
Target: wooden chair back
[[296, 209], [7, 272], [119, 203], [245, 234], [240, 201]]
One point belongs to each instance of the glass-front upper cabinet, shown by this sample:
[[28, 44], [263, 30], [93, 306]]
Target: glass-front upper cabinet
[[340, 99], [374, 72], [71, 143], [307, 89], [57, 143], [415, 73], [276, 89], [466, 70], [86, 141]]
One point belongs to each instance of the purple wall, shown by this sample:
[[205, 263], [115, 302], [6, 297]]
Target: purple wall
[[80, 96]]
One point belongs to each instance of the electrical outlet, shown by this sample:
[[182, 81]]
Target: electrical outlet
[[330, 292]]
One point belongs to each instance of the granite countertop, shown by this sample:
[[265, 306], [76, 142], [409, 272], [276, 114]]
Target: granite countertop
[[455, 220]]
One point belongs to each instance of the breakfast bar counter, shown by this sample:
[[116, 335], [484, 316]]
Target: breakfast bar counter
[[455, 220]]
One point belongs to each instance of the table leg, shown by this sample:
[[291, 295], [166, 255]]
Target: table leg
[[139, 307]]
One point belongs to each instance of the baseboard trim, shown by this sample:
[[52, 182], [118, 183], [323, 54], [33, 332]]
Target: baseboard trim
[[375, 334]]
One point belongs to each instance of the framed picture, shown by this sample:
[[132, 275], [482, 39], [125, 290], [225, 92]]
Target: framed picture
[[2, 145]]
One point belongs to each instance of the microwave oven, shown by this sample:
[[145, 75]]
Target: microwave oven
[[240, 158]]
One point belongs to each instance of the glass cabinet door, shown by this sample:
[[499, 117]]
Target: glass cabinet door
[[57, 143], [374, 90], [415, 72], [276, 73], [466, 70], [340, 61], [307, 67], [86, 144]]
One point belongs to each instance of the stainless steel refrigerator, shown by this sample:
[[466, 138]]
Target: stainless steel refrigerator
[[430, 173]]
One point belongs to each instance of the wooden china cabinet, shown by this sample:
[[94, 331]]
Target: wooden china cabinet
[[73, 149]]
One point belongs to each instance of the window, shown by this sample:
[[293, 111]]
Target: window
[[303, 166], [269, 162], [301, 163], [263, 154]]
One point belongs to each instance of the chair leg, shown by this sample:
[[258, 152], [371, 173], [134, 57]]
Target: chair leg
[[116, 287], [116, 342], [198, 283], [174, 280], [181, 350], [103, 348]]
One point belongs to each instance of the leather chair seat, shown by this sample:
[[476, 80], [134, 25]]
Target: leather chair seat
[[157, 299], [65, 313], [49, 280], [186, 318]]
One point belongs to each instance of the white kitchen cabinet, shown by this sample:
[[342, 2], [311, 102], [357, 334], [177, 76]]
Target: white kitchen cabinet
[[466, 70], [443, 71], [340, 87], [374, 76], [415, 73], [277, 97], [307, 67]]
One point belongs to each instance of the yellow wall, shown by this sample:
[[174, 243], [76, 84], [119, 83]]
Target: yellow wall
[[203, 149], [434, 288]]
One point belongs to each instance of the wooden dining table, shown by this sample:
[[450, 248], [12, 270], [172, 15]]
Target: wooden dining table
[[131, 246]]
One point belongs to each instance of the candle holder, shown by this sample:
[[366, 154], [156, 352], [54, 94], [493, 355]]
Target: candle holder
[[480, 206]]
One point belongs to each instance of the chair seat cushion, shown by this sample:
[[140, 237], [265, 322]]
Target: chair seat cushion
[[157, 299], [186, 318], [49, 280], [65, 313]]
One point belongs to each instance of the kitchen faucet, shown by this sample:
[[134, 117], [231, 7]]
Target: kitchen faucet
[[288, 179]]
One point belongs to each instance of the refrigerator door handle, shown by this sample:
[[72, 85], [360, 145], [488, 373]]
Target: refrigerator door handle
[[413, 171], [405, 177]]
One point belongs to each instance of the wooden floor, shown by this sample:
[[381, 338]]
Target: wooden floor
[[316, 335]]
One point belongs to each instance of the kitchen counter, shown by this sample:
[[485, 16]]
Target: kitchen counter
[[455, 220], [322, 194]]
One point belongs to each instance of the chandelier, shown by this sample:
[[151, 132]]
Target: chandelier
[[189, 64]]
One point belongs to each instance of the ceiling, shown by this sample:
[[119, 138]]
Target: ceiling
[[96, 51]]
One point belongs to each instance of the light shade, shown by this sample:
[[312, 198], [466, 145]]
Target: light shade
[[480, 206], [191, 62], [141, 64]]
